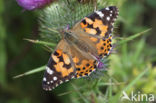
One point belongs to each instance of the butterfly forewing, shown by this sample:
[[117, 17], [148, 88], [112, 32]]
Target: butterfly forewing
[[99, 26], [100, 23], [59, 68]]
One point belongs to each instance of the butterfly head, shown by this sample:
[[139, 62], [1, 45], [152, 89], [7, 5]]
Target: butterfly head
[[66, 31]]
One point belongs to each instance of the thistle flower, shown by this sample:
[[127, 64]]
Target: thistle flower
[[33, 4]]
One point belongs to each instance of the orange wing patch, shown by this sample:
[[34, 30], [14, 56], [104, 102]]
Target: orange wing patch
[[65, 72], [94, 27], [63, 64], [83, 25], [66, 59], [89, 21], [94, 39], [99, 24], [84, 68], [104, 46], [90, 31], [75, 60]]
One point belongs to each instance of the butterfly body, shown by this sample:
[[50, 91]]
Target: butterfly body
[[79, 40], [79, 51]]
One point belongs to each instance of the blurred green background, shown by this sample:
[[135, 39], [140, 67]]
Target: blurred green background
[[132, 68]]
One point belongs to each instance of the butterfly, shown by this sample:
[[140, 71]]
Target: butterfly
[[79, 51]]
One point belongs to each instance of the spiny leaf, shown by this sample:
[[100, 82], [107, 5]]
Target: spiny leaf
[[80, 94], [41, 42], [133, 37], [31, 72]]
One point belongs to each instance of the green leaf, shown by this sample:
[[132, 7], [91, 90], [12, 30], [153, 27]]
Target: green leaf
[[41, 42], [80, 94], [130, 85], [133, 37], [2, 47], [39, 69]]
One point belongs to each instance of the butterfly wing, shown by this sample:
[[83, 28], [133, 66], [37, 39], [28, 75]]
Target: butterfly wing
[[65, 63], [84, 62], [98, 27], [100, 23], [60, 67]]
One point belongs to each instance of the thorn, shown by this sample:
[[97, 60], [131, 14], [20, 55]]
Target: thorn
[[30, 72], [32, 41], [41, 42], [18, 76]]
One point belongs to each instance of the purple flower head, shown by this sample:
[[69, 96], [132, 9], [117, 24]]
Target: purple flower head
[[100, 64], [33, 4], [67, 27]]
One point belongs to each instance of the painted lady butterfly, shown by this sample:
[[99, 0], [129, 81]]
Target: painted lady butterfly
[[79, 52]]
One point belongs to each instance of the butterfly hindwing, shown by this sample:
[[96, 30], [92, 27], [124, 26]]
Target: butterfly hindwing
[[85, 68], [84, 62], [104, 46]]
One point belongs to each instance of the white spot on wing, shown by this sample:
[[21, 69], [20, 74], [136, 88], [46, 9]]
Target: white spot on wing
[[100, 13], [44, 79], [108, 18], [49, 89], [54, 78], [107, 8], [56, 85], [112, 29], [61, 82], [49, 71]]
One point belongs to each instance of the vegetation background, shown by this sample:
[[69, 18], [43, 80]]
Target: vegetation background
[[132, 68]]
